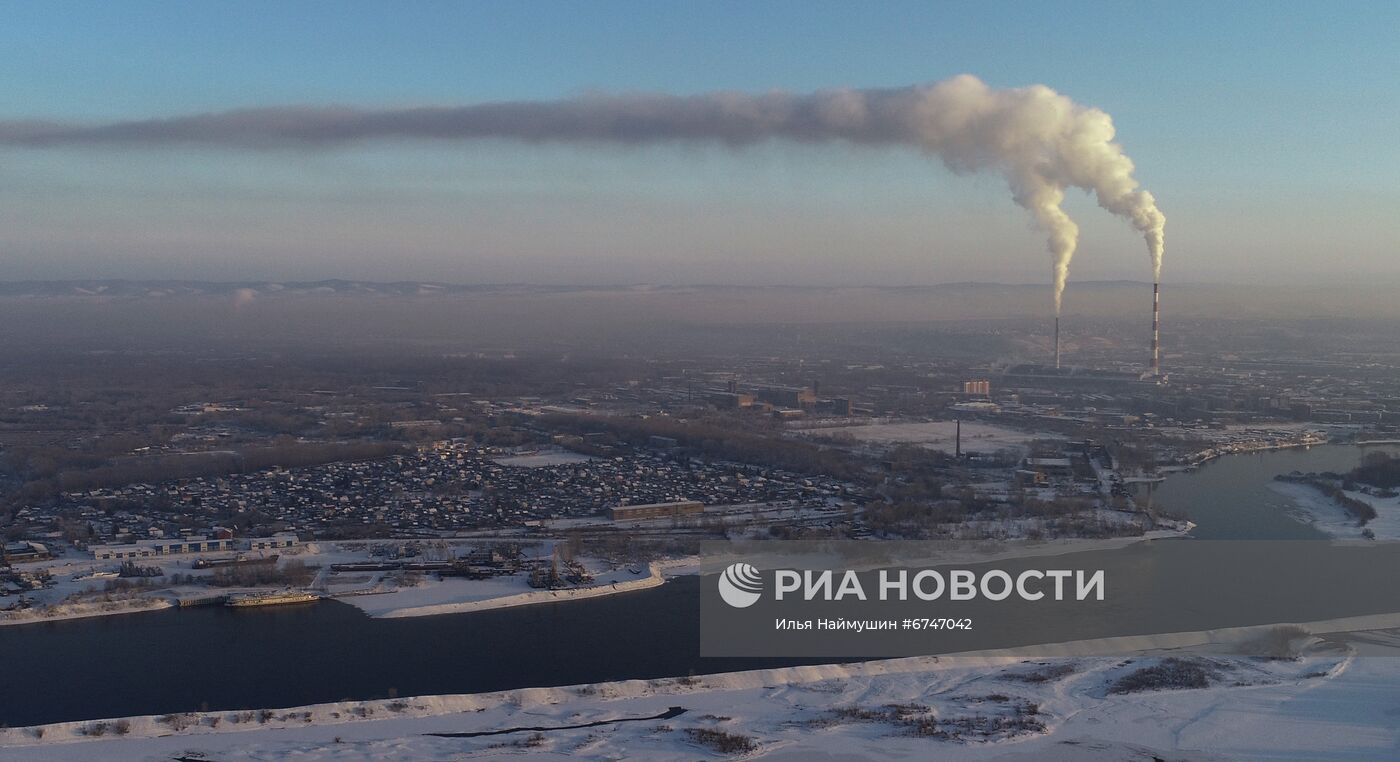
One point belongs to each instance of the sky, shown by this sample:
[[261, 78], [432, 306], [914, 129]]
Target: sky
[[1266, 131]]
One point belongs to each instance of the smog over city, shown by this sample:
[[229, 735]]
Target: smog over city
[[438, 381]]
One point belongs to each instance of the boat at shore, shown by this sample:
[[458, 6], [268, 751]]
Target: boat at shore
[[270, 599]]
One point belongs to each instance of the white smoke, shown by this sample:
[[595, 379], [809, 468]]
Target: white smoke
[[1042, 142]]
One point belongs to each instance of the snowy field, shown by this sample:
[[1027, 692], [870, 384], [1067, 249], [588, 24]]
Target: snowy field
[[1328, 703], [543, 458], [941, 435]]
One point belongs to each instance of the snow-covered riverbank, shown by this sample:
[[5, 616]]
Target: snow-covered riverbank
[[1327, 516], [460, 596], [1329, 703], [63, 611], [75, 594], [387, 596]]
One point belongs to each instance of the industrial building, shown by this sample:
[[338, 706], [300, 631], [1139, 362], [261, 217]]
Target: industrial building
[[278, 541], [1045, 377], [655, 510], [787, 396], [731, 400], [20, 552], [151, 548], [978, 387]]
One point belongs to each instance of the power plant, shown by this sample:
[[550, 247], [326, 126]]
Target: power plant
[[1153, 372]]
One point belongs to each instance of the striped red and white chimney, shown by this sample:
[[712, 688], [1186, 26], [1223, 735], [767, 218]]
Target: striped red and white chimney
[[1156, 324]]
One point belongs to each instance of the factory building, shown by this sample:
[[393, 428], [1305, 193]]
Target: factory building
[[20, 552], [655, 510], [835, 406], [1045, 377], [731, 400], [787, 396], [977, 387], [278, 541], [1050, 467], [152, 548]]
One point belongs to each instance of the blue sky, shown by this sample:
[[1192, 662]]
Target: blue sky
[[1266, 130]]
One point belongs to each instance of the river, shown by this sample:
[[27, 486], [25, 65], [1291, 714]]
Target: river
[[187, 659], [1231, 498], [184, 660]]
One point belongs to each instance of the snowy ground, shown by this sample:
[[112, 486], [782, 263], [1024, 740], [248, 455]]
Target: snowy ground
[[71, 596], [543, 458], [1327, 516], [135, 605], [941, 435], [455, 595], [1334, 702], [388, 594], [379, 594]]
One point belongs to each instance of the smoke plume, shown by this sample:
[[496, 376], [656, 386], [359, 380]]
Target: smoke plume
[[1042, 142]]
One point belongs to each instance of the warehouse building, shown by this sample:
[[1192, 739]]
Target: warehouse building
[[152, 548], [656, 510], [277, 541]]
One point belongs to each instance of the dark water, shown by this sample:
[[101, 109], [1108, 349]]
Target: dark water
[[216, 658], [1231, 499], [183, 660]]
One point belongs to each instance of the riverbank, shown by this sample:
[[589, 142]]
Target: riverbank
[[457, 596], [63, 611], [454, 596], [1330, 518], [74, 593], [1203, 457], [379, 596], [977, 707]]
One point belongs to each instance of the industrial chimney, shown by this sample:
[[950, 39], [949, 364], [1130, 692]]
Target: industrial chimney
[[1156, 322], [1057, 342]]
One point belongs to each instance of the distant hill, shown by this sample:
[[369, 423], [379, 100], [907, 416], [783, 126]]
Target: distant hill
[[167, 288], [795, 304], [105, 316]]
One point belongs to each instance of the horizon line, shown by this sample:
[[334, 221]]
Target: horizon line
[[614, 285]]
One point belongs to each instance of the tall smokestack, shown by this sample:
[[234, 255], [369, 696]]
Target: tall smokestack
[[1156, 323], [1057, 342]]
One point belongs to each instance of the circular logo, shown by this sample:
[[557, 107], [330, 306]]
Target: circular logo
[[740, 585]]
